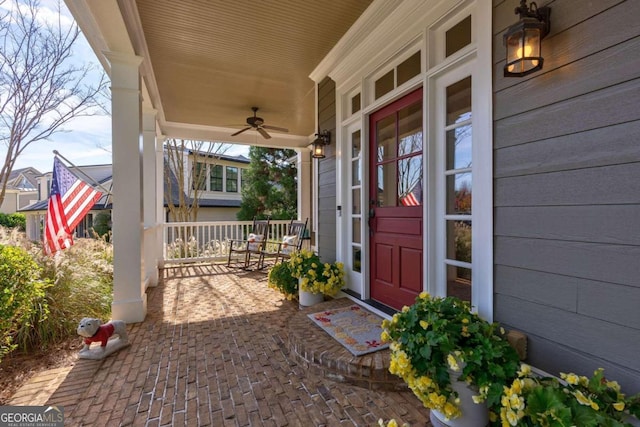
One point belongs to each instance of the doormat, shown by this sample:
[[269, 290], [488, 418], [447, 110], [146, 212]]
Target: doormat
[[354, 327]]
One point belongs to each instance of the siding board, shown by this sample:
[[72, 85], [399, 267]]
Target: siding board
[[607, 224], [576, 78], [565, 359], [609, 106], [578, 150], [538, 286], [593, 261], [573, 330], [616, 184], [565, 16]]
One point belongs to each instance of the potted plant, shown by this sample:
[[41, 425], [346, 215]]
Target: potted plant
[[455, 362], [532, 400], [280, 279], [316, 279]]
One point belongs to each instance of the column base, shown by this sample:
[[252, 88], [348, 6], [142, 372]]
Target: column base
[[131, 311]]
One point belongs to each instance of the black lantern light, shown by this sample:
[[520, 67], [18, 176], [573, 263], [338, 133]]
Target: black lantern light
[[524, 39], [322, 138]]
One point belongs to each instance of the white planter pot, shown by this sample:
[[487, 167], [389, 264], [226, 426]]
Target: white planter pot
[[473, 414], [307, 299]]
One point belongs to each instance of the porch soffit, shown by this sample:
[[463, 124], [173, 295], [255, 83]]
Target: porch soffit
[[208, 62]]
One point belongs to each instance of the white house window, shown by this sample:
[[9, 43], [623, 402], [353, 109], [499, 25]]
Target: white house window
[[215, 178], [232, 179], [356, 197]]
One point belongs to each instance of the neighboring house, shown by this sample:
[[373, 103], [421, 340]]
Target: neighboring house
[[442, 175], [95, 175], [21, 190], [220, 200], [221, 195]]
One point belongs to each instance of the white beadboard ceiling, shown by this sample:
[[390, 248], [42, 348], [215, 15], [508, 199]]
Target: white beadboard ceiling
[[209, 61]]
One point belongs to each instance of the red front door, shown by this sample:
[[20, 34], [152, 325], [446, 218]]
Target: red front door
[[395, 201]]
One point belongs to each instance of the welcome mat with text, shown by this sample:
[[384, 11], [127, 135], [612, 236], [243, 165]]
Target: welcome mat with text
[[354, 327]]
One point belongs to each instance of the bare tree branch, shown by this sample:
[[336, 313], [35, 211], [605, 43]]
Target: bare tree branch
[[41, 87]]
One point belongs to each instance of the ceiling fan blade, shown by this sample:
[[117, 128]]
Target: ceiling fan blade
[[264, 133], [240, 131], [275, 128]]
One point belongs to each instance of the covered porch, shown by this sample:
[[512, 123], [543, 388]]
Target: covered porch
[[215, 349]]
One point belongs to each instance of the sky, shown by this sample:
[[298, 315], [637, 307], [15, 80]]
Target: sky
[[85, 140]]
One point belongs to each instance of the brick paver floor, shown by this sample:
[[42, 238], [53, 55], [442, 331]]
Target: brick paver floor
[[211, 352]]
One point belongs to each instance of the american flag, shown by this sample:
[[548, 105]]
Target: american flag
[[414, 197], [70, 200]]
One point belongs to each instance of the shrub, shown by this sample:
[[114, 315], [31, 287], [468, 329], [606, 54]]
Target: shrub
[[21, 290], [14, 220], [102, 225]]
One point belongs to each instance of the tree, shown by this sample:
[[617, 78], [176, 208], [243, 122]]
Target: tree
[[269, 185], [41, 88], [185, 175]]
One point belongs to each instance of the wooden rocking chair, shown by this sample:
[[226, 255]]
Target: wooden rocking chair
[[292, 241], [253, 245]]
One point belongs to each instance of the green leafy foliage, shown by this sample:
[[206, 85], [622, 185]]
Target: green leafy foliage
[[438, 337], [76, 283], [13, 220], [21, 288], [269, 185], [531, 400], [280, 278]]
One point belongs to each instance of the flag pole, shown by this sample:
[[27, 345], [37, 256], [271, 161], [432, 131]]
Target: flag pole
[[96, 183]]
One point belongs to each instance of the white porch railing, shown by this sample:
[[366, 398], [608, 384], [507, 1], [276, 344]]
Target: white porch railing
[[209, 241]]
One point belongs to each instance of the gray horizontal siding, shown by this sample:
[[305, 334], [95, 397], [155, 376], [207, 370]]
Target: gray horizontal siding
[[327, 173], [567, 191]]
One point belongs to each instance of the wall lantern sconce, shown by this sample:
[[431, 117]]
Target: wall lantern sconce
[[322, 138], [524, 38]]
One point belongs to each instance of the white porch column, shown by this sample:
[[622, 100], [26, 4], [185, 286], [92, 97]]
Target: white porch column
[[304, 185], [150, 183], [129, 298], [159, 207]]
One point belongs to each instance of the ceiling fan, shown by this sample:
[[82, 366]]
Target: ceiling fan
[[257, 123]]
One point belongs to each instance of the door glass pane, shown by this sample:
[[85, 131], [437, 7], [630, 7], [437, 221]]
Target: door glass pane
[[459, 101], [355, 172], [356, 230], [356, 259], [409, 68], [410, 129], [355, 196], [459, 282], [384, 84], [355, 144], [387, 184], [386, 138], [459, 148], [410, 181], [459, 240], [458, 36], [459, 194]]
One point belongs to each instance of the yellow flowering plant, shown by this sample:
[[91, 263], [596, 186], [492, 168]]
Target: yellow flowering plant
[[572, 400], [438, 336], [316, 277], [280, 279]]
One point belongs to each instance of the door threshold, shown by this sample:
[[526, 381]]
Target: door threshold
[[378, 308]]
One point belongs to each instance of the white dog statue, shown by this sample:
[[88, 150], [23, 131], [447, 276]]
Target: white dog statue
[[92, 330]]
